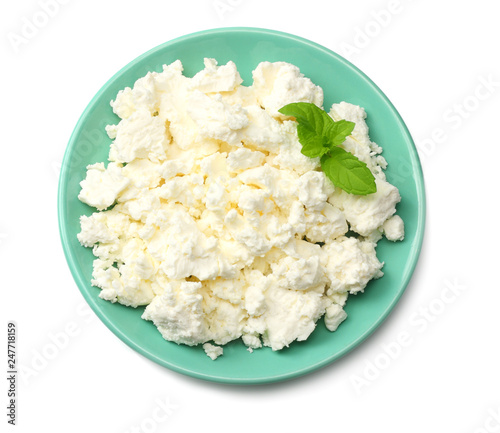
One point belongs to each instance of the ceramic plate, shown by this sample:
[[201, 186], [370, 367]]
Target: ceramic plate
[[341, 81]]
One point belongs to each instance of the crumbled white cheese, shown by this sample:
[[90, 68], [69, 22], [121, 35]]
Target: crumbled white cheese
[[102, 185], [140, 135], [213, 352], [216, 78], [280, 83], [210, 216], [178, 313], [365, 213], [394, 228], [334, 316]]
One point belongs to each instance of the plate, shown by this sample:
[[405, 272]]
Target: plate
[[341, 81]]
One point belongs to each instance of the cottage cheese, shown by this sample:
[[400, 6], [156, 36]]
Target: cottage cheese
[[210, 216]]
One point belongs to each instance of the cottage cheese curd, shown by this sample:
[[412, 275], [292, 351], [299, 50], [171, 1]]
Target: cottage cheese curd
[[210, 216]]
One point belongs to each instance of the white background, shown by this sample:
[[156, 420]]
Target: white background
[[439, 63]]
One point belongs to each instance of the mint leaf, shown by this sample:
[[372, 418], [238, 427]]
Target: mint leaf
[[309, 116], [320, 136], [348, 172], [313, 127], [313, 150], [339, 131]]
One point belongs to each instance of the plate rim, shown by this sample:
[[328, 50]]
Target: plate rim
[[413, 257]]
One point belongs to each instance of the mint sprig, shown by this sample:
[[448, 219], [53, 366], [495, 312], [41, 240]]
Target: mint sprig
[[321, 137]]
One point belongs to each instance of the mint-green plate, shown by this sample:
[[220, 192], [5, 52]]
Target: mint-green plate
[[341, 81]]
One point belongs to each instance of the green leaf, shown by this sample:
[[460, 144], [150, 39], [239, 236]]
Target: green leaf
[[348, 172], [313, 126], [320, 136], [312, 150], [339, 131], [309, 115], [316, 129]]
